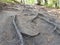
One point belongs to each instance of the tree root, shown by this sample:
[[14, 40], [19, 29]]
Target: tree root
[[46, 19], [18, 32]]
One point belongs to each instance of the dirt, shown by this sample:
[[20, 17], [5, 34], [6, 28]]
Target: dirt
[[47, 36]]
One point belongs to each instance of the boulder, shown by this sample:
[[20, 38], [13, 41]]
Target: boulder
[[26, 26]]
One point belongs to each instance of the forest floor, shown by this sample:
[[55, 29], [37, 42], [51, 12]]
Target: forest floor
[[50, 10], [47, 36]]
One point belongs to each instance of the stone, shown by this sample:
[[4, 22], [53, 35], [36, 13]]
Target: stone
[[26, 26]]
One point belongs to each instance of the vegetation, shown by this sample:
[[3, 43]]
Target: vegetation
[[48, 3]]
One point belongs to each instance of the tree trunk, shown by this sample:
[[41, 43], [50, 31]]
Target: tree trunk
[[39, 2], [45, 1]]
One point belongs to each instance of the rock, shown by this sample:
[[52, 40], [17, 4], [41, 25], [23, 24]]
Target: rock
[[26, 26], [33, 25]]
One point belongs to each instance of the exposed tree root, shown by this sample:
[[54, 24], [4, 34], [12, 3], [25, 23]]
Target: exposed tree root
[[18, 32], [46, 19]]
